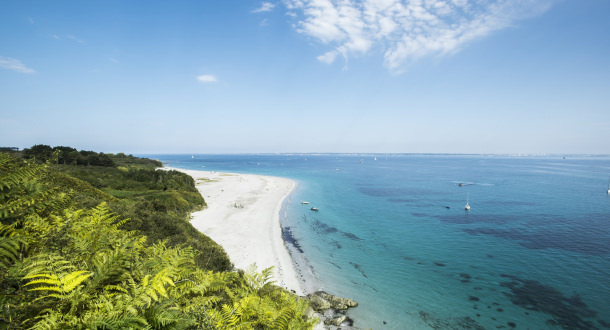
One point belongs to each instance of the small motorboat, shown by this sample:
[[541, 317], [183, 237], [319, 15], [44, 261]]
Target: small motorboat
[[304, 202], [315, 209]]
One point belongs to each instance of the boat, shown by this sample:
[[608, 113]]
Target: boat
[[608, 186], [467, 207], [304, 202], [315, 209]]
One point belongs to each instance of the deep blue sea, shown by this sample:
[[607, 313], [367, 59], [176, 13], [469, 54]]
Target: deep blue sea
[[392, 233]]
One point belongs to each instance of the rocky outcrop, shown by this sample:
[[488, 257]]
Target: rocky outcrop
[[318, 303], [331, 309], [321, 301], [337, 302]]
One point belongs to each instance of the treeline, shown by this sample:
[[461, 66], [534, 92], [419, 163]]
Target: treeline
[[110, 247], [66, 156], [70, 156]]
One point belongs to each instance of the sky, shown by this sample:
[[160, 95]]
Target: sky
[[363, 76]]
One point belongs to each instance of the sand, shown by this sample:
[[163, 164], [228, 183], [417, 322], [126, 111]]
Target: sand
[[243, 216]]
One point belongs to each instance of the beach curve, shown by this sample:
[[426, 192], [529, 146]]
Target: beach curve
[[243, 216]]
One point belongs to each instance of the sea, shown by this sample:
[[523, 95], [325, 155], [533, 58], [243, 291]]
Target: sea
[[392, 232]]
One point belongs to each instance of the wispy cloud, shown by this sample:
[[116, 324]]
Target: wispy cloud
[[265, 6], [71, 37], [405, 30], [15, 65], [31, 20], [207, 78]]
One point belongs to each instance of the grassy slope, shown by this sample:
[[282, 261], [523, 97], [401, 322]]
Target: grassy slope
[[157, 202]]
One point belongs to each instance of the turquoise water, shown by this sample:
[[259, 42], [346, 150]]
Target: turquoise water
[[533, 251]]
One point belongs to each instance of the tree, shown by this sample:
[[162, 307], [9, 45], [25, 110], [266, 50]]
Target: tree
[[40, 152], [64, 154]]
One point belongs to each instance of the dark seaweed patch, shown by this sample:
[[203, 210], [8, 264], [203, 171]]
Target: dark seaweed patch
[[604, 323], [466, 219], [567, 312], [358, 268], [450, 323], [324, 228], [334, 264], [465, 278], [351, 236], [336, 244], [593, 242], [473, 298], [288, 237], [440, 264]]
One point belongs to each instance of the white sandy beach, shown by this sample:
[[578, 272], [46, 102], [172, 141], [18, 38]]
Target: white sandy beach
[[243, 216]]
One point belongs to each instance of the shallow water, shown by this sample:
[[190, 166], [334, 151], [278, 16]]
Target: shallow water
[[533, 251]]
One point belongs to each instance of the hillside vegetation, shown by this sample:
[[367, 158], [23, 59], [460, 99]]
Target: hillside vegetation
[[109, 246]]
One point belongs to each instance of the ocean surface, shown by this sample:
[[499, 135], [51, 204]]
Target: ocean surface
[[391, 232]]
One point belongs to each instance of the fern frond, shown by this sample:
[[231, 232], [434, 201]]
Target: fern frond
[[70, 281], [10, 244]]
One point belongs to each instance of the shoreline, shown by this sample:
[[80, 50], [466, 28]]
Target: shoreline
[[243, 216]]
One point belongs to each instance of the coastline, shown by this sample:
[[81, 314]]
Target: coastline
[[243, 216]]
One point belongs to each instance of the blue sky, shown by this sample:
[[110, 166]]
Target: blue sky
[[439, 76]]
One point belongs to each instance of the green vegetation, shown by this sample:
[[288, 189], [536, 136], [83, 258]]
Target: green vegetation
[[110, 247]]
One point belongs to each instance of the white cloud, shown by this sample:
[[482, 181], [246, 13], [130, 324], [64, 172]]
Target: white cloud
[[329, 57], [71, 37], [207, 78], [31, 20], [405, 30], [15, 65], [265, 6]]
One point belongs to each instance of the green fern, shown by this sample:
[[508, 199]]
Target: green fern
[[59, 286], [10, 244]]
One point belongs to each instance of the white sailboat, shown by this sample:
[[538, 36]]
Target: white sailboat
[[467, 207], [608, 186]]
